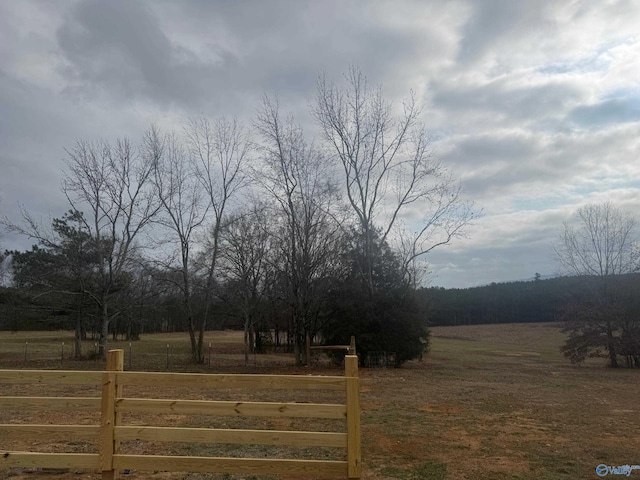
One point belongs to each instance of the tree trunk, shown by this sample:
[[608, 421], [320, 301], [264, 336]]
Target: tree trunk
[[246, 342], [192, 330], [201, 342], [369, 259], [78, 330], [78, 337], [104, 332], [611, 346], [192, 338]]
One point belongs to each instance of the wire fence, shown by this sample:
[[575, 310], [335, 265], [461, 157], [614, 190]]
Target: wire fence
[[173, 355], [381, 359]]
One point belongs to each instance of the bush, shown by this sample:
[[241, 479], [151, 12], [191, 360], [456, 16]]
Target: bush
[[389, 321]]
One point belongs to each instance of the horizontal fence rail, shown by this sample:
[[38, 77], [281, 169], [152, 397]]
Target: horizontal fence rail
[[86, 432], [51, 377], [217, 381], [111, 432], [85, 461], [59, 404], [245, 409], [237, 436]]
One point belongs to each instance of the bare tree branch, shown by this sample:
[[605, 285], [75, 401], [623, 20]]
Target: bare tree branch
[[114, 184], [388, 167], [296, 176], [218, 153]]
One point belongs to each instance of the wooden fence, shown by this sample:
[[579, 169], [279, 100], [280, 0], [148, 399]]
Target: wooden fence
[[111, 431], [349, 349]]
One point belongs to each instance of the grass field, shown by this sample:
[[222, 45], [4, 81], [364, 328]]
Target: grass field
[[489, 402]]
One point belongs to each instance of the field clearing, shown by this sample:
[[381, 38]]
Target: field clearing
[[489, 402]]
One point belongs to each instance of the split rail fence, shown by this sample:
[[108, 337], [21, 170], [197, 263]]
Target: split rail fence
[[348, 349], [111, 432]]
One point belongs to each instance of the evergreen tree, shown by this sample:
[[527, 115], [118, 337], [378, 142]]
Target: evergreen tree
[[388, 320]]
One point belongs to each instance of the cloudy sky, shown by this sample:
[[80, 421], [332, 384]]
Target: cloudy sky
[[535, 105]]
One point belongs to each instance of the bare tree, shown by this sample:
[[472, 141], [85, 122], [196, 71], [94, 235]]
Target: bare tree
[[113, 185], [598, 244], [601, 240], [246, 244], [388, 168], [4, 262], [183, 213], [297, 177], [218, 152]]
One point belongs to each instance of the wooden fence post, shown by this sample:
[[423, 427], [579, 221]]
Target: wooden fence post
[[110, 391], [353, 416], [352, 345]]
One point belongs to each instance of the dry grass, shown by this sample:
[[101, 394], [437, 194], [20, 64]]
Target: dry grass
[[488, 402]]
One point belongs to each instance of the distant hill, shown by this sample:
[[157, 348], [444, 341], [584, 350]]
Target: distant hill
[[541, 277], [539, 300]]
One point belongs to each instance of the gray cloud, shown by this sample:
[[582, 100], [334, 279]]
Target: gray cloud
[[508, 103], [123, 49], [119, 46], [612, 111], [533, 104], [493, 21], [501, 164]]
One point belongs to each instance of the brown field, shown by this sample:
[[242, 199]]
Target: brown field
[[489, 402]]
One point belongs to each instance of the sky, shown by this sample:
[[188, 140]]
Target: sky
[[534, 105]]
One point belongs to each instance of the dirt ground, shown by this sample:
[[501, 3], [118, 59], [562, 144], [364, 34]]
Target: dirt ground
[[488, 403]]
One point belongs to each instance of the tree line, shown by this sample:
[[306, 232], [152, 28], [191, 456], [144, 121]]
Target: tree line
[[252, 225], [506, 302]]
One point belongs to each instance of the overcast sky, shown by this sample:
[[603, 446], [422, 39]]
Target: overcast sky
[[534, 105]]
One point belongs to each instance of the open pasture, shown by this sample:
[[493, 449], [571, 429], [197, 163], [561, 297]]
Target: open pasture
[[488, 402]]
